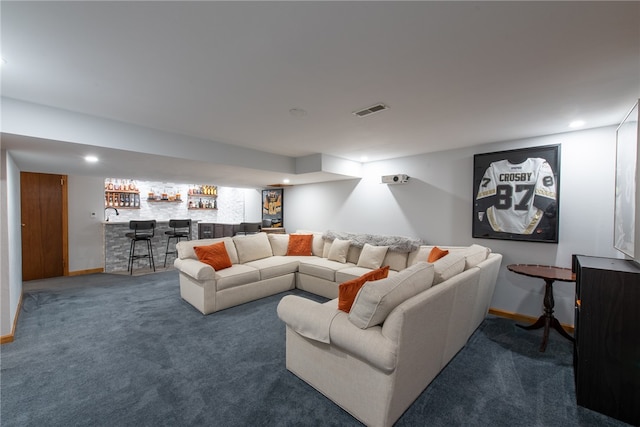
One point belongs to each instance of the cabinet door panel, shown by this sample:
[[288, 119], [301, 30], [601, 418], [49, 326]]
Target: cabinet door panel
[[607, 353]]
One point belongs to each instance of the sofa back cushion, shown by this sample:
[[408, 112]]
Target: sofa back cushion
[[377, 299], [251, 247], [396, 261], [354, 254], [186, 251], [419, 255], [473, 254], [447, 267], [279, 243]]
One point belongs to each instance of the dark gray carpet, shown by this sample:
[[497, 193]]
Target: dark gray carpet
[[112, 350]]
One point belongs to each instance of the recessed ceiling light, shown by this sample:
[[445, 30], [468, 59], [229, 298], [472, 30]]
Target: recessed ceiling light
[[576, 124], [285, 181], [364, 158], [91, 159]]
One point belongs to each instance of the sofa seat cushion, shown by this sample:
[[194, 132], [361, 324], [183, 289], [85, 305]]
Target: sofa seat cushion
[[377, 299], [275, 266], [321, 267], [236, 275]]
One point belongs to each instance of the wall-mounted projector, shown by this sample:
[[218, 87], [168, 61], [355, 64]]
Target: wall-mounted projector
[[395, 179]]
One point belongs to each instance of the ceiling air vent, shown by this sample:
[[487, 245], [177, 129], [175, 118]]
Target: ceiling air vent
[[371, 110]]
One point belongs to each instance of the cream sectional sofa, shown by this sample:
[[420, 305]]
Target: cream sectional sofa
[[375, 360], [261, 268]]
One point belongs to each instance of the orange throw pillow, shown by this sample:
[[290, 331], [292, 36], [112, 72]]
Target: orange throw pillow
[[215, 255], [436, 253], [300, 244], [348, 290]]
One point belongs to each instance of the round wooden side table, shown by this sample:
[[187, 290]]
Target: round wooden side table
[[549, 274]]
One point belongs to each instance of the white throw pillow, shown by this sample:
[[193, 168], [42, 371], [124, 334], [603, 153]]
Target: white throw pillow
[[448, 266], [252, 247], [377, 299], [372, 256], [339, 249]]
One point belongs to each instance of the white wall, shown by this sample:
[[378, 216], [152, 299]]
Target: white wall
[[11, 243], [252, 205], [436, 206]]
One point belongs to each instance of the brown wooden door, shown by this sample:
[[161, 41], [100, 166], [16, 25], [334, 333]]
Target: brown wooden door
[[43, 199]]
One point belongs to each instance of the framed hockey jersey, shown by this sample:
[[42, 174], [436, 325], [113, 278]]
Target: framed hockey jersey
[[516, 194]]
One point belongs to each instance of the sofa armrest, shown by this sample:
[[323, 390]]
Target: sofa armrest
[[365, 344], [308, 318], [327, 324], [194, 268]]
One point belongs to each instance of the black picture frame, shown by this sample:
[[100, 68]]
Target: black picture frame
[[272, 208], [516, 194]]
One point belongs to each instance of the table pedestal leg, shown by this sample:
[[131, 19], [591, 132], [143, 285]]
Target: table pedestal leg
[[547, 319]]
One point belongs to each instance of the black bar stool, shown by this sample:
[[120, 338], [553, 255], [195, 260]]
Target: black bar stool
[[181, 229], [142, 231]]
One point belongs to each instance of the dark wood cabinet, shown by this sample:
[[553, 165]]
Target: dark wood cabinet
[[607, 337], [212, 230]]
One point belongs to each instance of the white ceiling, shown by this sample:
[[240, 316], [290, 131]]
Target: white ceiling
[[454, 74]]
